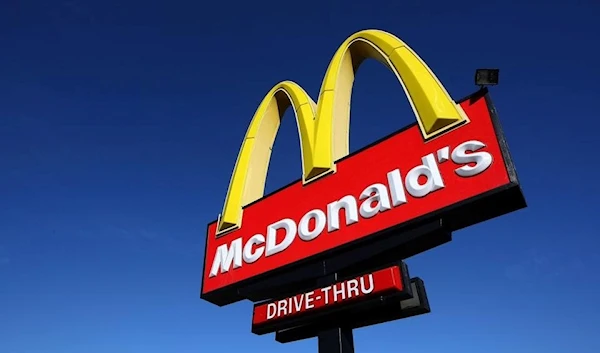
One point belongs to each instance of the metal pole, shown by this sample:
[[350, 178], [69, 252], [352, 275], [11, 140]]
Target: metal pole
[[335, 340]]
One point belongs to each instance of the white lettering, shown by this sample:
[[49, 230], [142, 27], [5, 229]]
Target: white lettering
[[290, 233], [353, 288], [430, 170], [341, 291], [378, 194], [298, 302], [250, 256], [482, 159], [362, 284], [271, 310], [348, 203], [225, 257], [309, 300], [418, 182], [282, 307], [320, 220], [396, 188], [325, 291], [291, 305]]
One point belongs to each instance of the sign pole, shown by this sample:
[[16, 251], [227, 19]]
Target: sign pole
[[336, 340]]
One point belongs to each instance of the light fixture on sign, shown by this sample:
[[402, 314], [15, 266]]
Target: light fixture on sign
[[486, 77]]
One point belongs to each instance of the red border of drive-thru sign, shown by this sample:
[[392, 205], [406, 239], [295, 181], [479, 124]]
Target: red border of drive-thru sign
[[395, 182]]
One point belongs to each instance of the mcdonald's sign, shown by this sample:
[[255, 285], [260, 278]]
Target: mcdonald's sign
[[452, 164]]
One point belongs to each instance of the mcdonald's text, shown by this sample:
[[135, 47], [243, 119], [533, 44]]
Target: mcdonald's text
[[368, 285], [397, 180], [419, 182]]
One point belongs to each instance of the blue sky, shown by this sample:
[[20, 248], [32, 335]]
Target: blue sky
[[120, 122]]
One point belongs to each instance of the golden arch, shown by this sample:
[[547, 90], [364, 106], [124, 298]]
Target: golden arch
[[324, 127]]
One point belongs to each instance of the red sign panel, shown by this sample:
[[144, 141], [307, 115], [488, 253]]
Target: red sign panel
[[397, 180], [338, 294]]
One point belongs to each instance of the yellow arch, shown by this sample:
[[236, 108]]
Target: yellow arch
[[249, 175], [324, 128], [434, 109]]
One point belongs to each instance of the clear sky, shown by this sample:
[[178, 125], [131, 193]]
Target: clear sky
[[120, 122]]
